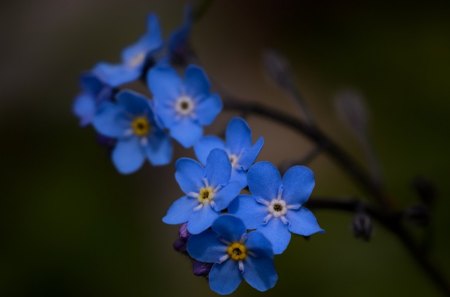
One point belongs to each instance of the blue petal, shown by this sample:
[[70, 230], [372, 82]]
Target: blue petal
[[111, 121], [91, 84], [179, 38], [154, 29], [186, 132], [238, 135], [239, 176], [159, 149], [116, 74], [201, 219], [196, 82], [259, 245], [205, 145], [303, 222], [134, 103], [208, 109], [206, 247], [164, 83], [260, 273], [225, 195], [277, 233], [180, 211], [84, 108], [264, 180], [298, 183], [218, 168], [229, 228], [128, 155], [225, 278], [249, 211], [249, 156], [167, 114], [189, 175]]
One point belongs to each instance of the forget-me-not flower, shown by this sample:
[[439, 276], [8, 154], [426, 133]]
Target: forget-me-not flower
[[139, 136], [207, 189], [134, 57], [236, 255], [94, 94], [183, 105], [275, 206], [238, 146]]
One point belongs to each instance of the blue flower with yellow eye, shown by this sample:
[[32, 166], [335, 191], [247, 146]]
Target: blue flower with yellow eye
[[238, 145], [275, 206], [236, 255], [207, 189], [94, 94], [139, 136], [183, 105], [134, 58]]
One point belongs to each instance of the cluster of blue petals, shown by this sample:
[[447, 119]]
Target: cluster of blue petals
[[235, 214], [237, 235], [143, 128]]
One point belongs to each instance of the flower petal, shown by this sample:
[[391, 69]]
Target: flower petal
[[238, 135], [84, 108], [128, 155], [116, 74], [201, 219], [225, 278], [229, 227], [180, 210], [259, 245], [206, 247], [239, 176], [208, 109], [186, 132], [218, 168], [249, 156], [196, 81], [298, 183], [303, 222], [110, 120], [227, 194], [159, 149], [189, 175], [249, 211], [264, 180], [260, 273], [277, 233], [205, 145], [134, 103], [164, 83]]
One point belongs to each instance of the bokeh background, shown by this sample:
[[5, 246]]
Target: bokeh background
[[72, 226]]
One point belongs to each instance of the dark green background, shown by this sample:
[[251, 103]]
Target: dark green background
[[72, 226]]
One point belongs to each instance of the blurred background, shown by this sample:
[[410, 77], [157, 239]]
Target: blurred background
[[72, 226]]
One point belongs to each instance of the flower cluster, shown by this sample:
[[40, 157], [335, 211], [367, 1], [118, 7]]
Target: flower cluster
[[143, 128], [235, 214]]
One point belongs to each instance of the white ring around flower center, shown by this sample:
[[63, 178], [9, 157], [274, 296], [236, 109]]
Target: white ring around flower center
[[184, 105], [277, 207]]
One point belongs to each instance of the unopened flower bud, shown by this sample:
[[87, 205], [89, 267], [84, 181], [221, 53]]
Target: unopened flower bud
[[362, 226], [200, 269]]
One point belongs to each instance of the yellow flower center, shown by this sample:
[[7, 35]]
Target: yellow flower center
[[206, 195], [140, 126], [237, 251]]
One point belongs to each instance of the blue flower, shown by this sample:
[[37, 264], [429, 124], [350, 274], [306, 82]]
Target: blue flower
[[178, 43], [184, 106], [131, 121], [94, 94], [275, 207], [236, 255], [208, 191], [134, 57], [238, 146]]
